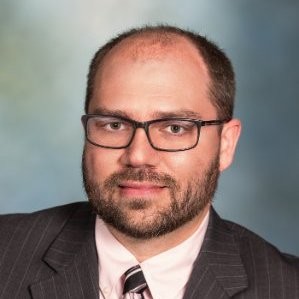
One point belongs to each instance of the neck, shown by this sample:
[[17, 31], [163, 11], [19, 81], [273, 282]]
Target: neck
[[145, 249]]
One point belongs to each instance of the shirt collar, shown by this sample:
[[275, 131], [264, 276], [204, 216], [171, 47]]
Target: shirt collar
[[172, 267]]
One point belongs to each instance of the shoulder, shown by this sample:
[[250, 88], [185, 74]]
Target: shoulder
[[246, 235], [26, 239], [245, 263], [62, 211], [46, 222], [256, 252]]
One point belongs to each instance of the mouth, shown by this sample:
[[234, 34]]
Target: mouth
[[137, 189]]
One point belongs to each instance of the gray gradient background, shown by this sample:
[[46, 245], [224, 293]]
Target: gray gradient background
[[45, 49]]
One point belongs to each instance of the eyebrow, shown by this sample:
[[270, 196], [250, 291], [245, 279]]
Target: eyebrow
[[116, 112], [156, 114], [177, 113]]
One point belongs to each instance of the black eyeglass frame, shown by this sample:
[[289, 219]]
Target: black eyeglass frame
[[145, 125]]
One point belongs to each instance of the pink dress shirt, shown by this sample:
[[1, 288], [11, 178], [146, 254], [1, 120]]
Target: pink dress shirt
[[166, 273]]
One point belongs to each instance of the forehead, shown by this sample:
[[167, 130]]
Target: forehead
[[144, 76]]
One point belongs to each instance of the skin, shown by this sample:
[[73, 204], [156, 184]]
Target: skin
[[146, 86]]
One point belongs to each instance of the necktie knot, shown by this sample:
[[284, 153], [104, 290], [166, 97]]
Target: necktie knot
[[134, 281]]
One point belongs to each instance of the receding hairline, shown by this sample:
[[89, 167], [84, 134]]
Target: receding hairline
[[146, 46], [150, 45]]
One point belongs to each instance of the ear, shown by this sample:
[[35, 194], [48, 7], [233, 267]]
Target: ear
[[229, 138]]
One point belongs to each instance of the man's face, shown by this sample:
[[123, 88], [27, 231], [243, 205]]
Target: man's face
[[138, 190]]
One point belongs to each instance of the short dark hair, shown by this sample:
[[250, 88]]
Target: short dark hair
[[222, 86]]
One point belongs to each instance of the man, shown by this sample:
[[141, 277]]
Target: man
[[159, 130]]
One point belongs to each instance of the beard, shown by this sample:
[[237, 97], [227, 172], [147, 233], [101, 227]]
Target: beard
[[131, 217]]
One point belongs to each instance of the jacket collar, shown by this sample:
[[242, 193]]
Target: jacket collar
[[218, 269]]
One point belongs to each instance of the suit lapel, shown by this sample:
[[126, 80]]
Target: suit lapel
[[218, 271], [73, 258]]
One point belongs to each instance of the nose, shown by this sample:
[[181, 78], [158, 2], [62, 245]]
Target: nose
[[140, 153]]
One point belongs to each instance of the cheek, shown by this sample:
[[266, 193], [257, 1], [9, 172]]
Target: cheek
[[100, 162], [193, 163], [185, 165]]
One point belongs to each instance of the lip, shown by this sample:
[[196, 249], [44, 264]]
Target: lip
[[140, 188]]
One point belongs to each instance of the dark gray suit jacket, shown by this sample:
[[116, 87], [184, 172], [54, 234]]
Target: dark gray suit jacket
[[52, 254]]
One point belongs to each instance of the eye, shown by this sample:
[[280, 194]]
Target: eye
[[178, 127], [108, 124], [114, 125], [175, 128]]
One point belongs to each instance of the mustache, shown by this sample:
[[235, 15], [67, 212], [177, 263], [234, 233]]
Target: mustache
[[140, 175]]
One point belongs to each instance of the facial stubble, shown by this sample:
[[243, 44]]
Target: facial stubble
[[184, 204]]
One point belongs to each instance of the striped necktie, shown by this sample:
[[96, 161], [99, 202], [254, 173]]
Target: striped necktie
[[135, 282]]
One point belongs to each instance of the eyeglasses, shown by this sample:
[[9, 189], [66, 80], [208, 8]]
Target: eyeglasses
[[165, 134]]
